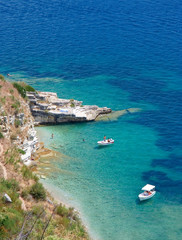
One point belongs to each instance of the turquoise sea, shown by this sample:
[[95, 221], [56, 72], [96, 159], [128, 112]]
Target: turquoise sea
[[119, 54]]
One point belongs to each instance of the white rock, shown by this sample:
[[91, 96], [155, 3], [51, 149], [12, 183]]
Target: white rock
[[7, 198]]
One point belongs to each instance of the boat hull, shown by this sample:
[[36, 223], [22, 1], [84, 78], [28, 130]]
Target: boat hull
[[143, 197], [104, 143]]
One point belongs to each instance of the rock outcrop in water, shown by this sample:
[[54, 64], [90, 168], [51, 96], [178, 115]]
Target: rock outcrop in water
[[114, 115], [47, 108]]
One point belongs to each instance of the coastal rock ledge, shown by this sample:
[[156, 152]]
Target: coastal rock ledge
[[47, 108]]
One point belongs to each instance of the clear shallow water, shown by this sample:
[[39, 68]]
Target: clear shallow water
[[118, 54]]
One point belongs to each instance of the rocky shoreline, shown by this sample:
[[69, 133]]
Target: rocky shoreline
[[20, 111], [47, 108], [19, 183]]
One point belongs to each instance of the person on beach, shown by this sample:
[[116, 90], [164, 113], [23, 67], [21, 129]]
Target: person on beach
[[52, 135]]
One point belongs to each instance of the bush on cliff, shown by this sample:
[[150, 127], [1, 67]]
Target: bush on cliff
[[1, 135], [3, 100], [23, 88], [11, 91], [15, 105], [11, 215], [28, 88], [9, 184], [62, 211], [21, 151], [2, 78], [10, 220], [28, 174], [17, 123], [20, 89], [38, 192]]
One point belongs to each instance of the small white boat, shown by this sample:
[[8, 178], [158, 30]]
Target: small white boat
[[149, 192], [106, 142]]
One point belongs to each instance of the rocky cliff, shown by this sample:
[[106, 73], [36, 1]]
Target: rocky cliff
[[47, 108], [27, 211]]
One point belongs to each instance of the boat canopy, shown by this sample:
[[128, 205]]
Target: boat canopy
[[148, 187]]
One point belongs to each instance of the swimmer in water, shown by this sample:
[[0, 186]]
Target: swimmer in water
[[9, 75]]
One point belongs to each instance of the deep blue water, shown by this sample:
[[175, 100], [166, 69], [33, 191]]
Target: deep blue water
[[118, 54]]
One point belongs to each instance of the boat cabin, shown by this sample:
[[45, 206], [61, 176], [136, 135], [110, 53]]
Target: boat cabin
[[149, 191]]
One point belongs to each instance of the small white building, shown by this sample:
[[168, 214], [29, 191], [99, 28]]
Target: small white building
[[29, 145]]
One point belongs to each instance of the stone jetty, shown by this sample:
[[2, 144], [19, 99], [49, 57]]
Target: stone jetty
[[47, 108]]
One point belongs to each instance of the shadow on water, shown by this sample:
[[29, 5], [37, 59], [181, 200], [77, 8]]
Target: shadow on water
[[99, 147], [166, 120], [172, 162], [146, 202]]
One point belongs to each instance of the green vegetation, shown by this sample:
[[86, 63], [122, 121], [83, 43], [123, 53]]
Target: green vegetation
[[1, 135], [10, 160], [28, 88], [12, 156], [25, 193], [0, 86], [11, 216], [23, 88], [72, 103], [15, 222], [3, 113], [11, 91], [38, 192], [9, 184], [2, 78], [17, 123], [16, 104], [3, 100], [37, 209], [42, 219], [61, 224], [28, 174], [21, 151], [70, 220], [20, 89], [12, 98], [63, 211]]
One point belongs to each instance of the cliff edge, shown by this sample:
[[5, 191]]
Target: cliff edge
[[47, 108], [27, 210]]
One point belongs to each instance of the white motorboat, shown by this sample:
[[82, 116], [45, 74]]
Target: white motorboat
[[149, 192], [106, 142]]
